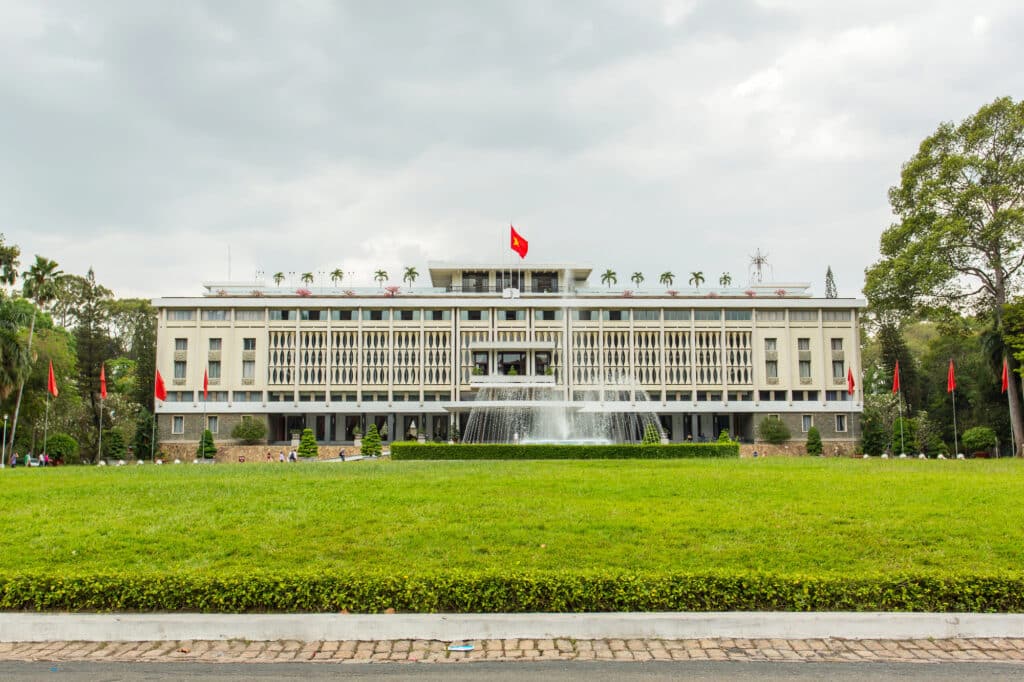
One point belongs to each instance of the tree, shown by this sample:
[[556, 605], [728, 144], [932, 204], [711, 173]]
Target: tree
[[40, 286], [892, 349], [960, 231], [207, 448], [132, 328], [979, 439], [609, 277], [381, 276], [307, 444], [307, 278], [62, 447], [697, 278], [94, 346], [667, 278], [638, 278], [814, 446], [250, 430], [278, 278], [410, 276], [371, 446], [10, 256], [14, 355], [773, 430], [113, 444], [725, 280], [830, 284], [723, 436], [144, 432], [337, 275]]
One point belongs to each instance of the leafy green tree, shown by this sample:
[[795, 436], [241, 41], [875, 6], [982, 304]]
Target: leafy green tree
[[830, 284], [723, 436], [638, 278], [307, 278], [410, 276], [113, 444], [905, 441], [62, 447], [979, 439], [929, 435], [697, 278], [725, 280], [814, 446], [337, 275], [667, 278], [133, 323], [371, 443], [14, 354], [877, 420], [94, 345], [893, 348], [250, 431], [307, 444], [207, 448], [278, 278], [144, 433], [959, 239], [380, 276], [609, 277], [651, 435], [773, 430], [10, 260]]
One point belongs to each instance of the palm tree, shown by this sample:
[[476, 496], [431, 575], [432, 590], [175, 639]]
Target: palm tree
[[697, 278], [40, 284], [410, 276], [14, 357], [609, 278], [667, 278], [9, 262], [638, 278], [725, 280], [307, 278], [337, 275], [381, 276], [278, 278]]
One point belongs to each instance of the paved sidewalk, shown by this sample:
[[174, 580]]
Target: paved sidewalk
[[433, 651]]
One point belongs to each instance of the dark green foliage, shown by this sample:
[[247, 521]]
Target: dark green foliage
[[207, 448], [773, 430], [830, 284], [371, 443], [63, 447], [307, 445], [507, 592], [979, 439], [251, 431], [893, 347], [814, 446], [113, 445], [651, 436], [909, 443], [504, 451], [144, 434]]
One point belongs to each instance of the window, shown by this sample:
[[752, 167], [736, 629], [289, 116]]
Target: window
[[806, 422], [212, 422], [840, 423], [616, 315], [584, 315], [772, 396], [835, 315], [805, 369], [541, 362], [215, 315], [313, 314], [473, 315], [709, 396], [771, 369], [771, 345], [280, 396], [179, 369], [838, 371], [707, 314], [805, 396], [376, 315], [803, 344], [677, 314], [213, 397], [247, 396], [345, 315], [312, 397], [249, 343], [214, 369], [177, 424], [407, 315], [480, 363], [475, 282], [180, 344], [771, 315], [509, 280], [282, 314], [214, 344], [544, 282], [512, 315], [248, 369], [438, 315], [248, 316], [181, 315], [736, 315], [547, 315], [646, 314], [803, 315], [179, 396], [837, 344]]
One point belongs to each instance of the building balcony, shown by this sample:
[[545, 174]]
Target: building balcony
[[524, 380]]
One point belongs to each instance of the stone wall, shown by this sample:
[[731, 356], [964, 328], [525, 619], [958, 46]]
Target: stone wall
[[797, 448], [237, 453]]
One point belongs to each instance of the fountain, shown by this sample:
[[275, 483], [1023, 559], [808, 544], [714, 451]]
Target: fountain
[[539, 414]]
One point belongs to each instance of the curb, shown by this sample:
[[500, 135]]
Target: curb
[[43, 627]]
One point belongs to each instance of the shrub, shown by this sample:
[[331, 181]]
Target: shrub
[[651, 436], [723, 436], [772, 430], [979, 438], [814, 441], [207, 448], [371, 444], [63, 447], [250, 430], [144, 433], [508, 451], [307, 444], [113, 445]]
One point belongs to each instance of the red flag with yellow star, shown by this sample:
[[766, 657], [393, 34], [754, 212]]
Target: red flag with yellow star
[[519, 245]]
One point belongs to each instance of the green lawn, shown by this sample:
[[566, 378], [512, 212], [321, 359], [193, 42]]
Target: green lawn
[[778, 516]]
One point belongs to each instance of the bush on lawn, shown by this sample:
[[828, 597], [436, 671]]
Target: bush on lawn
[[63, 447], [371, 443], [772, 430], [814, 446], [307, 445], [207, 448], [506, 451], [250, 431], [979, 439]]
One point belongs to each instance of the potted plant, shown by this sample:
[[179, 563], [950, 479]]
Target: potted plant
[[357, 435]]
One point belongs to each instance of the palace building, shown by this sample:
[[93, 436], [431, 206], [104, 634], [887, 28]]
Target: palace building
[[416, 359]]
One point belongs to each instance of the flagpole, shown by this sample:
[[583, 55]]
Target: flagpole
[[956, 446], [99, 454], [899, 403], [152, 435], [46, 420]]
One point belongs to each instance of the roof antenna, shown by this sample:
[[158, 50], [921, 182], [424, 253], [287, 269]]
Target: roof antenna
[[758, 265]]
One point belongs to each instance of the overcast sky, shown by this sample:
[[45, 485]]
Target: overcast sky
[[145, 138]]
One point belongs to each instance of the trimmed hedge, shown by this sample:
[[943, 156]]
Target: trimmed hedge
[[406, 450], [457, 592]]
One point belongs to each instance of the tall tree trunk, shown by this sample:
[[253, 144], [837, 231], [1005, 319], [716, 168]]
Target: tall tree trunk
[[1016, 406], [21, 386]]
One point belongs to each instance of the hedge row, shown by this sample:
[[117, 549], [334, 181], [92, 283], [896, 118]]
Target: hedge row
[[403, 450], [490, 593]]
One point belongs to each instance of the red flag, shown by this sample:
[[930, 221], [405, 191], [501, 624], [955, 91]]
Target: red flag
[[950, 378], [159, 390], [103, 382], [206, 385], [896, 378], [519, 245], [849, 381], [51, 382], [1006, 377]]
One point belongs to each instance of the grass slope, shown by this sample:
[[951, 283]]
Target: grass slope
[[778, 516]]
